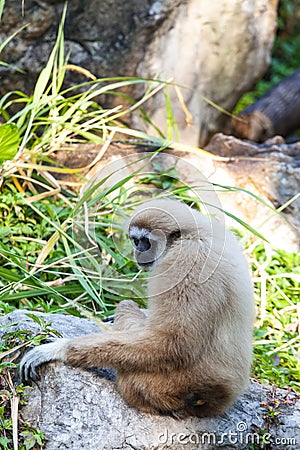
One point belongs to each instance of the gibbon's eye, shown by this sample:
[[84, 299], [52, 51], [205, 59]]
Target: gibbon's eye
[[142, 245], [135, 241]]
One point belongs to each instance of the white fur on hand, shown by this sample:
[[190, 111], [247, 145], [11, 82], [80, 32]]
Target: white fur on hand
[[40, 355]]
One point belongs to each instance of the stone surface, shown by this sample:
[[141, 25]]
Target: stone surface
[[79, 410], [270, 171], [216, 49]]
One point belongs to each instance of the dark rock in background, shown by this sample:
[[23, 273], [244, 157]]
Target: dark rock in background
[[216, 50]]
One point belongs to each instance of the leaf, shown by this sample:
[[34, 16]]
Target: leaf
[[9, 141], [4, 441], [42, 323], [12, 36], [1, 7]]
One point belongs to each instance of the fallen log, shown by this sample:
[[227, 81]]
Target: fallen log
[[277, 112], [79, 410]]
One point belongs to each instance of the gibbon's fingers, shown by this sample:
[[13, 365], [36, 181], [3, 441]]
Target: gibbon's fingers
[[41, 355]]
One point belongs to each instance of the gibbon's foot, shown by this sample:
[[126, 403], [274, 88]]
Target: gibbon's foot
[[38, 356], [178, 414], [128, 316], [194, 400], [126, 306]]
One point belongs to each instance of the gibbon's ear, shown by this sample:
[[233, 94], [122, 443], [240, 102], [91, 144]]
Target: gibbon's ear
[[126, 225], [176, 234]]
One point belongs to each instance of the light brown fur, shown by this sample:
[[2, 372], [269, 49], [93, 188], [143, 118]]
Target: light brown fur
[[191, 352]]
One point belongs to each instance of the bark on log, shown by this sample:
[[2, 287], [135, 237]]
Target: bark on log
[[79, 410], [275, 113]]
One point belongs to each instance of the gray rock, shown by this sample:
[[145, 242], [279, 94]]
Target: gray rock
[[79, 410], [68, 326]]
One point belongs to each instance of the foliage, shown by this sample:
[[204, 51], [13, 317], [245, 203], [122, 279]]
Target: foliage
[[1, 7], [276, 276], [9, 141]]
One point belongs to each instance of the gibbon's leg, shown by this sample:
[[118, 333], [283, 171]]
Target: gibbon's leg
[[152, 393], [128, 315], [140, 350], [172, 394]]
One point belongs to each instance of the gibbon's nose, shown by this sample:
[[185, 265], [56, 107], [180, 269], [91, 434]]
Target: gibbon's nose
[[143, 244], [149, 249]]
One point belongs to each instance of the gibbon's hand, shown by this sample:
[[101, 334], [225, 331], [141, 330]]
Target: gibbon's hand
[[41, 355]]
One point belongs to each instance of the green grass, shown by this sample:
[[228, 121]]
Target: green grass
[[276, 276]]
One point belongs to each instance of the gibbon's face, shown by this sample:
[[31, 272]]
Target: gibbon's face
[[149, 246], [153, 229]]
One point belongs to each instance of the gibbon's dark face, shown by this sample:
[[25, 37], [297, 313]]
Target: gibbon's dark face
[[149, 246], [155, 227]]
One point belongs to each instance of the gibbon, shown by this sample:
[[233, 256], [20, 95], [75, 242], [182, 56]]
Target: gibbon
[[190, 352]]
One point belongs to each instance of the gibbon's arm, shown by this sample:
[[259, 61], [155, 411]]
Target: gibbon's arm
[[136, 351]]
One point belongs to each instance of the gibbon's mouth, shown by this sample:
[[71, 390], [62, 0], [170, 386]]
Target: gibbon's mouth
[[147, 265]]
